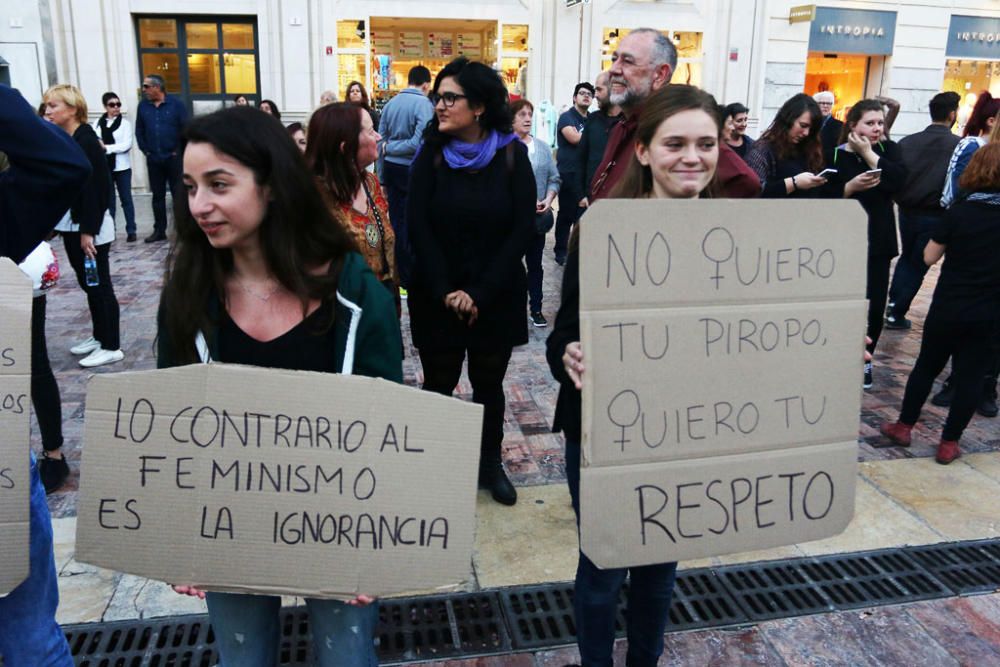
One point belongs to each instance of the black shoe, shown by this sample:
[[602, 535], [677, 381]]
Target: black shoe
[[988, 406], [539, 320], [943, 398], [561, 260], [868, 381], [53, 472], [131, 238], [893, 322], [493, 477], [156, 237]]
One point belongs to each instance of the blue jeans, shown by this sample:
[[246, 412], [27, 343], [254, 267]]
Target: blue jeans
[[595, 600], [914, 232], [248, 635], [29, 634], [122, 180]]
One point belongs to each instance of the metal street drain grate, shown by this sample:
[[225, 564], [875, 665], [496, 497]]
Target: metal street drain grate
[[700, 601], [540, 616], [866, 580], [969, 567], [175, 642], [532, 617], [773, 590]]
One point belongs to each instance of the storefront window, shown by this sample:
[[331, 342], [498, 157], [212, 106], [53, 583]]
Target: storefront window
[[514, 72], [167, 65], [969, 78], [352, 68], [193, 63], [351, 34], [241, 73], [515, 38], [237, 36], [841, 74], [158, 33], [202, 35], [687, 43]]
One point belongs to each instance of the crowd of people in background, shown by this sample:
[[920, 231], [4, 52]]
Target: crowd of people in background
[[444, 201]]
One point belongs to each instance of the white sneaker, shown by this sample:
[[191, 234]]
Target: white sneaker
[[100, 357], [85, 347]]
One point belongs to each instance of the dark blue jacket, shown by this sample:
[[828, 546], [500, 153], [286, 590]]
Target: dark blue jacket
[[47, 171], [158, 128]]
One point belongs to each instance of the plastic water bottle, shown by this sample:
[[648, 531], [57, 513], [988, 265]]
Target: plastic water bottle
[[90, 271]]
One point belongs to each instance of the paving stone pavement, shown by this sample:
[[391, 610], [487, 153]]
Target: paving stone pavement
[[532, 453]]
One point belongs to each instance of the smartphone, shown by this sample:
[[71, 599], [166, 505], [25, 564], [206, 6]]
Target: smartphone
[[874, 172], [827, 173]]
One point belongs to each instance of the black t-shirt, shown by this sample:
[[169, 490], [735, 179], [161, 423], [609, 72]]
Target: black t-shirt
[[968, 289], [305, 347], [566, 157]]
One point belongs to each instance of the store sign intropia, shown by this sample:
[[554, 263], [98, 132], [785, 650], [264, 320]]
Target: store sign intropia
[[976, 37], [852, 31]]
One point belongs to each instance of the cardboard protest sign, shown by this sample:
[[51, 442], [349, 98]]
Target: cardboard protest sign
[[15, 408], [235, 478], [723, 343]]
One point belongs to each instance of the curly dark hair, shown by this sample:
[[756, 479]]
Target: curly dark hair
[[777, 135], [297, 234], [481, 85]]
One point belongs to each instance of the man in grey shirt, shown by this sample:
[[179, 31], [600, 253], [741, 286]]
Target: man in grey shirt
[[402, 126]]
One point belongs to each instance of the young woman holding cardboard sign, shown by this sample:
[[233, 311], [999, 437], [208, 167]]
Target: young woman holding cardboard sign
[[677, 150], [261, 274]]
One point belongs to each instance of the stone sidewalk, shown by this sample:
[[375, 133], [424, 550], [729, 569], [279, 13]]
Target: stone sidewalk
[[903, 497]]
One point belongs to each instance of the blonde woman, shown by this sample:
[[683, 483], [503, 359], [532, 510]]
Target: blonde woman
[[88, 230]]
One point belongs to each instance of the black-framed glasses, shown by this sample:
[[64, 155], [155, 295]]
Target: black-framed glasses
[[147, 85], [449, 99], [114, 104]]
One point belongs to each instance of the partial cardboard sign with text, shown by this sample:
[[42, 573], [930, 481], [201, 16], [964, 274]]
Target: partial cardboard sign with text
[[15, 408], [234, 478], [723, 343]]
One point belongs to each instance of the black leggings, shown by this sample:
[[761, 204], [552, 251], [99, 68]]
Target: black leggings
[[442, 371], [877, 294], [44, 390], [969, 346], [101, 298]]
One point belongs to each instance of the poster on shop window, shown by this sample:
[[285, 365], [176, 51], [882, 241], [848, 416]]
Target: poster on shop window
[[236, 478], [15, 408], [723, 345]]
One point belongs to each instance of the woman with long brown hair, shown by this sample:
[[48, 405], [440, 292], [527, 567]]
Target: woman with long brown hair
[[789, 155], [356, 94], [260, 274], [676, 155], [342, 145]]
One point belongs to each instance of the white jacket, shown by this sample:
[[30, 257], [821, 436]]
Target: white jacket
[[122, 146]]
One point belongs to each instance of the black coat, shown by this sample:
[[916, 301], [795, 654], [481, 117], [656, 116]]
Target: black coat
[[469, 231], [89, 207], [877, 202], [565, 330]]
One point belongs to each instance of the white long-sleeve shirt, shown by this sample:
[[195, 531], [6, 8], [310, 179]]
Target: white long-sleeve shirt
[[122, 147]]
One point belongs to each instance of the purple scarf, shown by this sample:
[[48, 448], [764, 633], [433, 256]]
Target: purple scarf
[[473, 157]]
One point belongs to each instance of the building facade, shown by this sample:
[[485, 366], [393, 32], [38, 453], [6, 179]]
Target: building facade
[[758, 52]]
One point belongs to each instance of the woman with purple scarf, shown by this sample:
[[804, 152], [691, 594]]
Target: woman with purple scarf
[[471, 215]]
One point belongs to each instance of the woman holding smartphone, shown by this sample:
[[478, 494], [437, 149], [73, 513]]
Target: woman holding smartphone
[[870, 169]]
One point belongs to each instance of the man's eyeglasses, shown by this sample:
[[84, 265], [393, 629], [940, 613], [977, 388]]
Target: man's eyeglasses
[[147, 85], [114, 104], [449, 99]]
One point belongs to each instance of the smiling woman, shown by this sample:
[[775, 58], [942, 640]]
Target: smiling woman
[[260, 273]]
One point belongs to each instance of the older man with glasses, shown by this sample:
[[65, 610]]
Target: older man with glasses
[[160, 119]]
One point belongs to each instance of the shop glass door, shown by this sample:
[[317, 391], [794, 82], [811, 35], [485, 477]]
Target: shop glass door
[[845, 75]]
